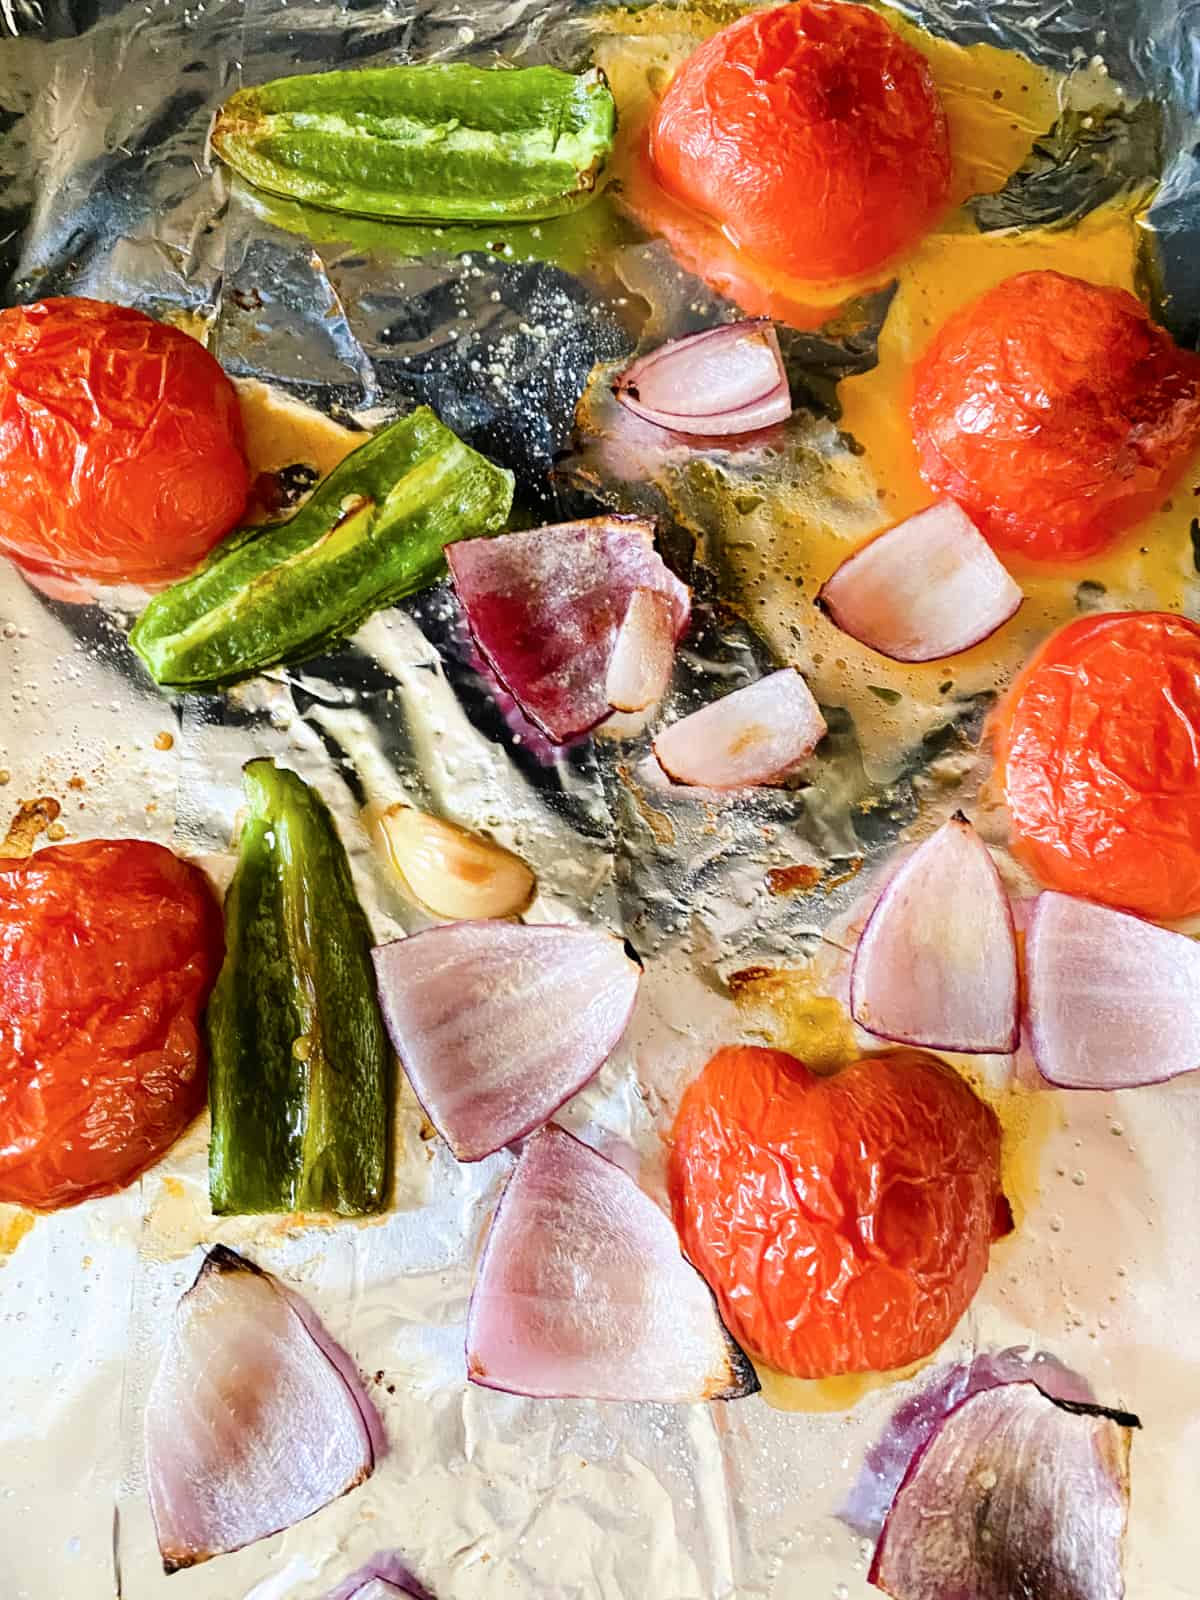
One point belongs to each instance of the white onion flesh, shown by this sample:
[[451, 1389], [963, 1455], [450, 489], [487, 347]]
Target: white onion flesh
[[928, 588], [1014, 1494], [583, 1292], [755, 735], [250, 1426], [497, 1024], [937, 961], [721, 382], [643, 654], [1114, 1002]]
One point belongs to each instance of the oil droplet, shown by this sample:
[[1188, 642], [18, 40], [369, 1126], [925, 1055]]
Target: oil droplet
[[164, 740], [55, 832], [5, 775]]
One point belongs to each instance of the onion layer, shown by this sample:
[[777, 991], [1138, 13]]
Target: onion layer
[[910, 1425], [1114, 1002], [937, 961], [753, 736], [545, 607], [640, 667], [583, 1292], [1013, 1494], [250, 1426], [928, 588], [714, 384], [497, 1024]]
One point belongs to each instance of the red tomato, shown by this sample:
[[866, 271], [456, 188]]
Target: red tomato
[[1055, 413], [120, 444], [844, 1222], [1098, 742], [813, 134], [109, 950]]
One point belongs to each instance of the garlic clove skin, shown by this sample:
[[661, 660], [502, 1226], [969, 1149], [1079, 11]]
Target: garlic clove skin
[[452, 872]]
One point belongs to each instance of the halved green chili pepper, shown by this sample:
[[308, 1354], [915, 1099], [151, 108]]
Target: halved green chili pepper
[[373, 532], [439, 141], [300, 1068]]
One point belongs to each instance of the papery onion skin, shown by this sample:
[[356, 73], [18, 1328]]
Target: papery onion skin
[[498, 1024], [1014, 1494], [690, 386], [757, 735], [544, 606], [583, 1292], [959, 593], [936, 966], [234, 1453], [1114, 1001]]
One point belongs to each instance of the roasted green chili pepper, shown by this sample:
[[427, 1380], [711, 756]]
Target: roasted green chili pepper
[[372, 533], [438, 142], [300, 1069]]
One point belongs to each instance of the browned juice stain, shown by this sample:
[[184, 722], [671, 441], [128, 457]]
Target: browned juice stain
[[31, 820], [14, 1225], [786, 1008], [281, 432]]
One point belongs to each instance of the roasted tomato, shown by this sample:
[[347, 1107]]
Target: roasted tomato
[[109, 950], [1055, 413], [1098, 742], [843, 1222], [812, 134], [120, 444]]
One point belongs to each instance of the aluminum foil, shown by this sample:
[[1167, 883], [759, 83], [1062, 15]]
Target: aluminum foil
[[105, 189]]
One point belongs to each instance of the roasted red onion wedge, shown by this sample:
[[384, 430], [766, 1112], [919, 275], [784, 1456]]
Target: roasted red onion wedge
[[381, 1589], [497, 1024], [724, 381], [583, 1293], [382, 1578], [937, 961], [1014, 1494], [545, 606], [250, 1426], [910, 1425], [753, 736], [640, 666], [1114, 1001], [927, 588]]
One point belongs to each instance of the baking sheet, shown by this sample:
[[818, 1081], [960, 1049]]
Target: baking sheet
[[105, 189]]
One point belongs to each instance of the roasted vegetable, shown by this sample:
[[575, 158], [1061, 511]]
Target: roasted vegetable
[[439, 141], [300, 1069], [372, 533]]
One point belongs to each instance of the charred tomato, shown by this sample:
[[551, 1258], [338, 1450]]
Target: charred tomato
[[120, 444], [1098, 744], [843, 1222], [109, 949], [1055, 412], [812, 134]]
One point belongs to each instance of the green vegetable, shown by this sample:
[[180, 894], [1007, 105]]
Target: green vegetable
[[438, 142], [300, 1068], [372, 533]]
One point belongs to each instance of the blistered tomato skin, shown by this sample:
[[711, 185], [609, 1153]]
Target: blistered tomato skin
[[843, 1223], [812, 134], [109, 950], [120, 444], [1055, 412], [1098, 744]]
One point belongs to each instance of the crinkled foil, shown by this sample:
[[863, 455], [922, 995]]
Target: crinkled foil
[[106, 189]]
